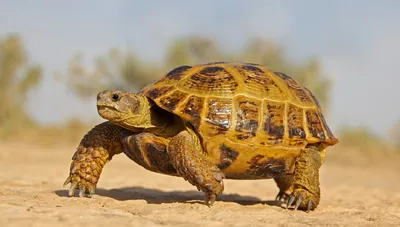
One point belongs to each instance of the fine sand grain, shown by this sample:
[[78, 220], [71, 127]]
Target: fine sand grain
[[31, 194]]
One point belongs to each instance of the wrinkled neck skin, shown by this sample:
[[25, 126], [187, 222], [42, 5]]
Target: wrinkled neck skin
[[153, 120], [166, 124]]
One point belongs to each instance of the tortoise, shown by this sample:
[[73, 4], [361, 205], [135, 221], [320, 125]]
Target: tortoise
[[211, 122]]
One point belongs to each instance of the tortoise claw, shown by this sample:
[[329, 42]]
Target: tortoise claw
[[281, 195], [67, 181], [301, 200], [309, 206], [72, 188], [290, 201], [298, 202], [210, 198], [91, 192], [85, 190], [82, 191]]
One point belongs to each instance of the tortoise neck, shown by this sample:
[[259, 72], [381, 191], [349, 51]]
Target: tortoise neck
[[165, 123], [140, 116], [151, 118]]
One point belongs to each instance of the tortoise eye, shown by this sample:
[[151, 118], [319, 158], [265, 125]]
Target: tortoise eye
[[115, 97]]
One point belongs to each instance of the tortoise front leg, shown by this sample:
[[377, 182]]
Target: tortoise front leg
[[306, 190], [194, 166], [96, 148]]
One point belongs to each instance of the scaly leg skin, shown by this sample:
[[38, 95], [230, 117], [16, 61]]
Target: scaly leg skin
[[96, 148], [306, 191], [194, 166], [285, 185], [149, 151]]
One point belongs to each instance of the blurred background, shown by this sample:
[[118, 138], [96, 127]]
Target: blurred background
[[55, 56]]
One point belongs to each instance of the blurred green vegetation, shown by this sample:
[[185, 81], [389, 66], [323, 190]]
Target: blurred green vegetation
[[359, 135], [394, 134], [126, 70], [359, 146], [17, 79]]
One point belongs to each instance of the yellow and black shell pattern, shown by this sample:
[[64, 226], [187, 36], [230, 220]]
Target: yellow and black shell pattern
[[243, 105]]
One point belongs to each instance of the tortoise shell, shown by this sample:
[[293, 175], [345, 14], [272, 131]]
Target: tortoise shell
[[239, 109]]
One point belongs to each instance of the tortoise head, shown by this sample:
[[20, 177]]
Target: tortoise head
[[126, 109]]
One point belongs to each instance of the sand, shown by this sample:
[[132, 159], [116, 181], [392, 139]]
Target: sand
[[31, 194]]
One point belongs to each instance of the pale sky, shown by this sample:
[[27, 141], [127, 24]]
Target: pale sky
[[357, 41]]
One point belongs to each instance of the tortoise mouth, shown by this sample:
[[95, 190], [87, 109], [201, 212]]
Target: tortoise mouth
[[108, 112]]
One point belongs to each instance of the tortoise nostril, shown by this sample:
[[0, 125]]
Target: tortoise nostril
[[102, 95], [99, 95]]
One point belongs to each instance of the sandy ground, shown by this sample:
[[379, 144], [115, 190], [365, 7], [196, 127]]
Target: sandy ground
[[31, 194]]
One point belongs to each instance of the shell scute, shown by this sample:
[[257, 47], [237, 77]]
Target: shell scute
[[227, 156], [274, 115], [295, 122], [193, 106], [314, 124], [210, 80], [177, 73], [297, 91], [264, 166], [172, 101], [212, 70], [157, 92], [253, 68], [219, 112], [247, 116], [259, 83]]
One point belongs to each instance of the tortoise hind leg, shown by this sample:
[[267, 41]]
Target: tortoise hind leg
[[194, 166], [306, 190]]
